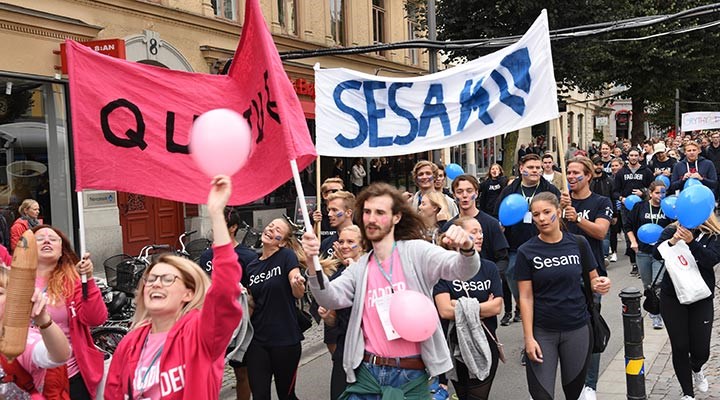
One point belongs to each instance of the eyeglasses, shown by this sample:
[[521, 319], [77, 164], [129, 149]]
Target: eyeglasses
[[51, 239], [165, 280], [331, 191]]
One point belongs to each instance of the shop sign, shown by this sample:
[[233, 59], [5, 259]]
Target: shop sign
[[97, 199], [109, 47]]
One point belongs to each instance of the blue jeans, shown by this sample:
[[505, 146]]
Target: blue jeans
[[510, 274], [649, 267], [593, 371], [390, 376], [606, 243]]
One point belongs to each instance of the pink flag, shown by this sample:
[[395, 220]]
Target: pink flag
[[131, 122]]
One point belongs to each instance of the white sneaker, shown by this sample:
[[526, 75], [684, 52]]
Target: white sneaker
[[613, 257], [687, 398], [657, 321], [701, 382], [587, 394]]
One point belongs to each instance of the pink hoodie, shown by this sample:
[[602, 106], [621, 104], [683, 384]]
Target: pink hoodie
[[191, 364]]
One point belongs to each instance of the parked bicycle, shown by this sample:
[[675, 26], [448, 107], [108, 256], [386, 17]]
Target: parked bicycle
[[194, 248]]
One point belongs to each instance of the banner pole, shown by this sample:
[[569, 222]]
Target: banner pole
[[81, 239], [306, 218], [318, 196], [561, 154]]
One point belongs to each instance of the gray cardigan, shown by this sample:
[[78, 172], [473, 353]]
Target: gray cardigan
[[423, 265]]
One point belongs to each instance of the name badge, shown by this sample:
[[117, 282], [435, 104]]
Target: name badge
[[527, 219], [382, 305]]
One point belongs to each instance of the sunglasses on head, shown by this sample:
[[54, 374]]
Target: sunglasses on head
[[331, 191]]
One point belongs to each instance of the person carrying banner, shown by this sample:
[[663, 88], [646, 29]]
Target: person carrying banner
[[529, 185], [634, 178], [425, 173], [399, 260], [693, 166], [494, 244], [340, 215], [29, 211], [556, 322], [182, 325], [58, 275], [689, 326]]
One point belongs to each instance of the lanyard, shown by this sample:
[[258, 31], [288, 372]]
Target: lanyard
[[653, 219], [522, 192], [387, 276], [152, 362]]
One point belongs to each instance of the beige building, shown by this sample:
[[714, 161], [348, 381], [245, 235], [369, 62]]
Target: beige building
[[189, 35]]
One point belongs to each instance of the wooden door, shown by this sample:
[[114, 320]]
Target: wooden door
[[148, 220]]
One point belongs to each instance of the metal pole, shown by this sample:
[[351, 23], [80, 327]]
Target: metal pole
[[677, 113], [634, 334], [432, 61]]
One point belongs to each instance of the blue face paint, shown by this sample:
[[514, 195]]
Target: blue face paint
[[278, 238], [473, 197], [353, 246], [580, 178], [339, 214], [525, 173], [553, 218]]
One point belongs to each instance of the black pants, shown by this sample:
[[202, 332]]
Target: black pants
[[507, 295], [689, 327], [78, 390], [338, 379], [468, 388], [614, 231], [264, 363]]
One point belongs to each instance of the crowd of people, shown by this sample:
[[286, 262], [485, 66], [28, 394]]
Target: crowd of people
[[446, 243]]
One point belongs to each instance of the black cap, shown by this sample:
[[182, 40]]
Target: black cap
[[597, 160]]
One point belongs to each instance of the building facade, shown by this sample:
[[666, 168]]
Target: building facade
[[188, 35]]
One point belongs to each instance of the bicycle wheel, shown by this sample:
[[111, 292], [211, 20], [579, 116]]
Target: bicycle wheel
[[106, 338]]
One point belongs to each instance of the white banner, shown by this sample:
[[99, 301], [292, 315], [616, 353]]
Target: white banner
[[361, 115], [696, 121]]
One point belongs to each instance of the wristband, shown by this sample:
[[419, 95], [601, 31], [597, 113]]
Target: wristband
[[468, 252], [46, 325]]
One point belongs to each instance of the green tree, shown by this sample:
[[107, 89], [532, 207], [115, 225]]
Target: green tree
[[651, 68]]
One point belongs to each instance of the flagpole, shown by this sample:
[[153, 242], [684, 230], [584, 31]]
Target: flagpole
[[81, 239], [318, 198], [561, 155], [306, 218]]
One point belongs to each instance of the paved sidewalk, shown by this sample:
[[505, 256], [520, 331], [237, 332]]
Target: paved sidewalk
[[660, 380]]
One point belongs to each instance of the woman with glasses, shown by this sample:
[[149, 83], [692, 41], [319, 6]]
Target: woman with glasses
[[182, 325], [58, 276], [275, 281]]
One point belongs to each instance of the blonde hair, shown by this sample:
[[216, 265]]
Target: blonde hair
[[293, 243], [192, 276], [422, 164], [711, 226], [26, 204], [330, 264], [330, 181], [347, 198], [438, 201]]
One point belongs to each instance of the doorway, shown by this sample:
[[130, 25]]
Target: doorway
[[148, 220]]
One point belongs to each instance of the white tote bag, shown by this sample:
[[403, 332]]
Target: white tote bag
[[682, 267]]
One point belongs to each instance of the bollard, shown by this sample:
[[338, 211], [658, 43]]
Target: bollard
[[634, 334]]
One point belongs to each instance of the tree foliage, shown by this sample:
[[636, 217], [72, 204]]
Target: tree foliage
[[651, 68]]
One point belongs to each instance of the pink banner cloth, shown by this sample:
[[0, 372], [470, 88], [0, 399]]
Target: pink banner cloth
[[131, 122]]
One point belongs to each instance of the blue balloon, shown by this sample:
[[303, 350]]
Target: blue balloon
[[512, 209], [691, 182], [649, 233], [631, 200], [694, 206], [668, 206], [664, 180], [453, 170]]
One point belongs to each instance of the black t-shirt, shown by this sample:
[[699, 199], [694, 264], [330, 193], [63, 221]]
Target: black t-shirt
[[591, 209], [490, 191], [245, 257], [493, 238], [521, 232], [642, 214], [273, 319], [326, 246], [662, 166], [555, 270], [480, 286]]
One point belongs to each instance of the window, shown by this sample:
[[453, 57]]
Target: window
[[337, 21], [225, 8], [413, 28], [287, 16], [378, 15]]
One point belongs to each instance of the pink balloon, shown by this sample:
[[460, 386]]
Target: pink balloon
[[220, 142], [413, 315]]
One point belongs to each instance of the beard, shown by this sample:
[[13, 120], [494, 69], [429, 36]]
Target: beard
[[378, 232]]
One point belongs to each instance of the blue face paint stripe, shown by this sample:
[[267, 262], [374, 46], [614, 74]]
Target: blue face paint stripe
[[553, 218]]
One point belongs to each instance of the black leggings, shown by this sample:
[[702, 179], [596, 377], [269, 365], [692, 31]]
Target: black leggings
[[265, 362], [78, 390], [507, 295], [572, 349], [689, 327], [475, 389], [614, 230], [338, 379]]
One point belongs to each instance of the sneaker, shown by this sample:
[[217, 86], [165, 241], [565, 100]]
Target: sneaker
[[440, 394], [506, 319], [701, 382], [587, 393], [613, 257], [687, 398], [657, 321], [606, 262], [517, 318], [634, 271]]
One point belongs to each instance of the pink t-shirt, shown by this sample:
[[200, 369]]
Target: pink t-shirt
[[58, 313], [376, 341], [146, 384], [26, 359]]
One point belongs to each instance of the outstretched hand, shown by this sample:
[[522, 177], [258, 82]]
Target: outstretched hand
[[456, 237], [219, 194]]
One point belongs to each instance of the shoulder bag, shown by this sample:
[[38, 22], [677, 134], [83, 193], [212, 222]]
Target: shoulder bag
[[601, 330]]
